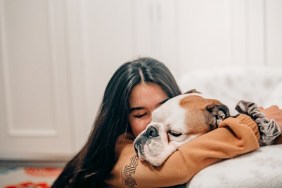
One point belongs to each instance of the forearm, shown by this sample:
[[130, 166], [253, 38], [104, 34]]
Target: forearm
[[275, 113], [231, 139]]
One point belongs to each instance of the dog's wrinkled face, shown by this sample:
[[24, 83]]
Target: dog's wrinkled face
[[176, 122]]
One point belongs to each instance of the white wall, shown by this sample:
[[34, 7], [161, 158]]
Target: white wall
[[107, 42], [185, 35]]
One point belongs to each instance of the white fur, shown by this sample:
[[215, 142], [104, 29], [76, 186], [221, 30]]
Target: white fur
[[168, 117], [172, 116]]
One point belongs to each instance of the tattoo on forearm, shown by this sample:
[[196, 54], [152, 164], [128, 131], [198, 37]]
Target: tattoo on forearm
[[129, 170]]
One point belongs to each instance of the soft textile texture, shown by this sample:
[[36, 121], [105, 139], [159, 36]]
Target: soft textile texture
[[13, 176], [259, 169], [262, 85]]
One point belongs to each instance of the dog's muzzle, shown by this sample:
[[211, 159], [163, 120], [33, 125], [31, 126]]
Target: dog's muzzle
[[150, 132]]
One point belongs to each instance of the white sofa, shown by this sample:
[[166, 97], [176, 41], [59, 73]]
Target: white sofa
[[262, 85]]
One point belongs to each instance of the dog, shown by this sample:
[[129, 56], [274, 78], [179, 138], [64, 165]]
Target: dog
[[187, 116]]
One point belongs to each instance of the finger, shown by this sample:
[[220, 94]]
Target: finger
[[257, 134], [261, 108], [255, 128], [273, 107]]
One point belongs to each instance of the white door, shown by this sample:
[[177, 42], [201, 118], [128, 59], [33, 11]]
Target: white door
[[34, 97]]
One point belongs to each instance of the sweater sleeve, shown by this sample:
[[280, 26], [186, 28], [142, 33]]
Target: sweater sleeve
[[235, 136]]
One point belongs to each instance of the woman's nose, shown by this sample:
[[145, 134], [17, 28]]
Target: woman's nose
[[149, 119]]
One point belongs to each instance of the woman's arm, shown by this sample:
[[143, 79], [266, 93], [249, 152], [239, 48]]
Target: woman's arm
[[275, 113], [235, 136]]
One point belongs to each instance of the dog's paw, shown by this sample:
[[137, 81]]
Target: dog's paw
[[269, 130], [219, 113]]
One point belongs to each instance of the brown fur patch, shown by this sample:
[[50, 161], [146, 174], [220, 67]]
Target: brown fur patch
[[198, 119]]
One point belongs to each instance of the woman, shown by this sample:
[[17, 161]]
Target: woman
[[108, 158]]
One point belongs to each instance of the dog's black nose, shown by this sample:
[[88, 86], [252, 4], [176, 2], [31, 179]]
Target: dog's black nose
[[152, 132]]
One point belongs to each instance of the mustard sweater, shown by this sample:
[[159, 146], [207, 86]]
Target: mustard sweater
[[235, 136]]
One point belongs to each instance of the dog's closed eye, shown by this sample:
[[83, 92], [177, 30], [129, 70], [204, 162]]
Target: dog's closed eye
[[174, 133]]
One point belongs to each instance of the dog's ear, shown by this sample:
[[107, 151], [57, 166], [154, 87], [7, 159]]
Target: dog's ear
[[192, 91]]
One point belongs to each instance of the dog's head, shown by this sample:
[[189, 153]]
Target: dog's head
[[176, 122]]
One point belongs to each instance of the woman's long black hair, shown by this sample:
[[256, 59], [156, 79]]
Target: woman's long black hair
[[94, 162]]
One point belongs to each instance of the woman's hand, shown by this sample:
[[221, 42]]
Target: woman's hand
[[275, 113]]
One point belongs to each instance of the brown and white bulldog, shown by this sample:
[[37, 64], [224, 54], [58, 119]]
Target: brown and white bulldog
[[176, 122], [187, 116]]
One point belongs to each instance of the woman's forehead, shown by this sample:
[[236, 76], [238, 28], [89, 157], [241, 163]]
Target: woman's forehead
[[146, 94]]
